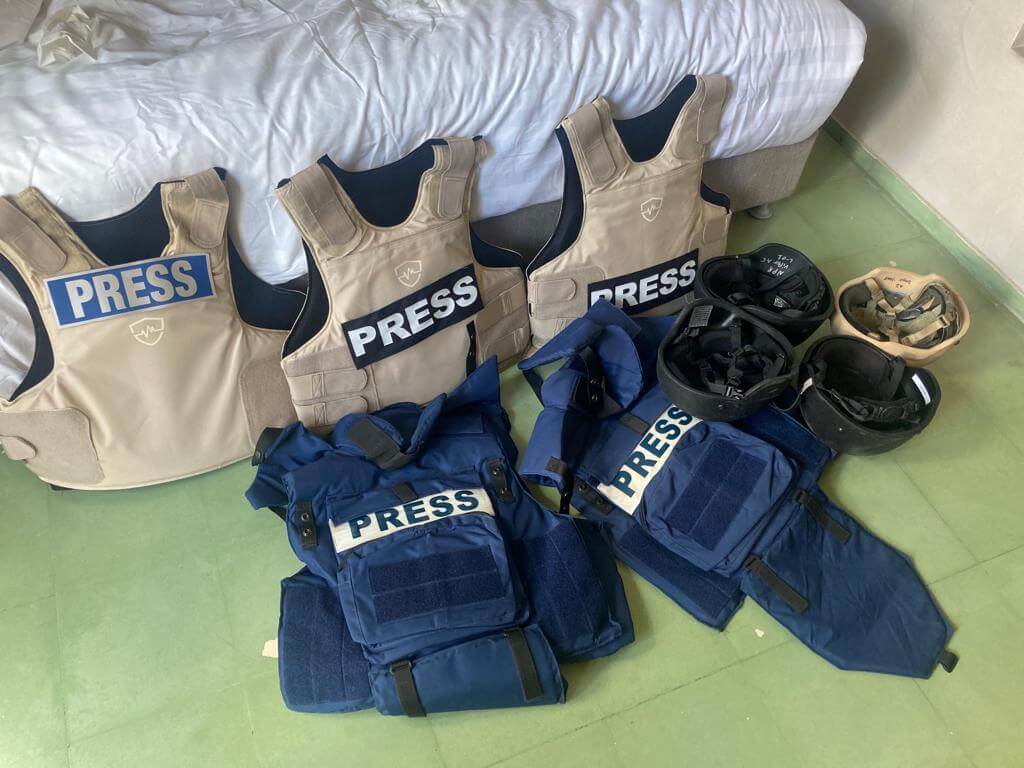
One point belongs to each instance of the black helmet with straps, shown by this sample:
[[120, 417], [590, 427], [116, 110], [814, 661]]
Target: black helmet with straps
[[860, 399], [720, 363], [775, 283]]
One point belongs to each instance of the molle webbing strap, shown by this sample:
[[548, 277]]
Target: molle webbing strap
[[823, 518], [313, 203], [522, 656], [377, 445], [306, 524], [634, 423], [567, 479], [586, 134], [31, 244], [404, 492], [405, 687], [948, 660], [773, 581], [716, 88], [460, 157], [209, 208], [266, 439]]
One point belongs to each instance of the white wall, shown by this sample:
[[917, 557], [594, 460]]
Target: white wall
[[940, 100]]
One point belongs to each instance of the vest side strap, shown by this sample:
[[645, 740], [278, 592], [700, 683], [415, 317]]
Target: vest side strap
[[716, 88], [451, 194], [525, 665], [405, 687], [776, 584], [209, 208], [33, 246], [587, 135]]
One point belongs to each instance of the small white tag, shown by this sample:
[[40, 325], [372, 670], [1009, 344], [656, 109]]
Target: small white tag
[[922, 389], [270, 649], [805, 386]]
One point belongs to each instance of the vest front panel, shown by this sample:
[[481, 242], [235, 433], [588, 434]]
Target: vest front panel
[[631, 230], [155, 376], [407, 310]]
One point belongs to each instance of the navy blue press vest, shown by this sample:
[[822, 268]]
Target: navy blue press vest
[[433, 580], [712, 511]]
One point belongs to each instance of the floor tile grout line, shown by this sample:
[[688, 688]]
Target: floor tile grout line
[[631, 707], [62, 683]]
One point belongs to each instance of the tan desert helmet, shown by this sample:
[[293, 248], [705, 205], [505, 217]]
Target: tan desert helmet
[[916, 317]]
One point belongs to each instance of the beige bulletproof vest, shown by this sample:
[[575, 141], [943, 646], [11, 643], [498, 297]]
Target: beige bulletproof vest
[[409, 310], [642, 227], [155, 376]]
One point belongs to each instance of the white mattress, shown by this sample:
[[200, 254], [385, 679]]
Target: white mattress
[[263, 88]]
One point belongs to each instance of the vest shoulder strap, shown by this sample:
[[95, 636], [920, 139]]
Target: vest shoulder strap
[[708, 101], [31, 246], [716, 89], [585, 129], [458, 160], [209, 219], [313, 204]]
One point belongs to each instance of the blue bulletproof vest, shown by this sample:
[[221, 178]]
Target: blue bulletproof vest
[[433, 580], [712, 511]]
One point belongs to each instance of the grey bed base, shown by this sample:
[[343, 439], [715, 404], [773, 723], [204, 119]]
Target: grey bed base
[[752, 181]]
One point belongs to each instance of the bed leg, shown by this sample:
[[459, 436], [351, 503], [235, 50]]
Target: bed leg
[[760, 212]]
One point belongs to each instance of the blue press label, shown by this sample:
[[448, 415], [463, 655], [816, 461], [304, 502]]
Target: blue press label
[[97, 294]]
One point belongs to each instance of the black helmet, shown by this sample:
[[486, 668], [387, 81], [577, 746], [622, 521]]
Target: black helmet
[[775, 283], [720, 363], [860, 399]]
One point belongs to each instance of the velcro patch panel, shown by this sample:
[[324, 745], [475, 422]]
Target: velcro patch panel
[[647, 459], [426, 509], [648, 288], [413, 318], [98, 294]]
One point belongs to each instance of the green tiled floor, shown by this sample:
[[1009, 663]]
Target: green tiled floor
[[132, 623]]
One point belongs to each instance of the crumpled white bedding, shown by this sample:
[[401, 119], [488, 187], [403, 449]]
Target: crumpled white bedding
[[263, 87]]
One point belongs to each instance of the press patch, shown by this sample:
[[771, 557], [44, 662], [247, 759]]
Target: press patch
[[648, 288], [427, 509], [647, 459], [98, 294], [413, 318]]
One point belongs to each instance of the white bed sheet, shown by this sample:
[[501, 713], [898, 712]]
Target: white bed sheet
[[262, 88]]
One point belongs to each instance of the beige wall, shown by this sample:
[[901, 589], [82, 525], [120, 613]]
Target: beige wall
[[940, 100]]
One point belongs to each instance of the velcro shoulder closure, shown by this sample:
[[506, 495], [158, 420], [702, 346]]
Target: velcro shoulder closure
[[459, 160], [585, 130], [715, 90], [209, 208], [30, 244], [313, 204]]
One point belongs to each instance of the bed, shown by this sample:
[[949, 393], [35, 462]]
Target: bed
[[262, 88]]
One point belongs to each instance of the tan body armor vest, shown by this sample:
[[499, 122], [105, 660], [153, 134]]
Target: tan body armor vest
[[631, 231], [154, 375], [401, 312]]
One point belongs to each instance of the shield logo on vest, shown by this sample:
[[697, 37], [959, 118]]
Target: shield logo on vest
[[148, 330], [650, 208], [409, 272]]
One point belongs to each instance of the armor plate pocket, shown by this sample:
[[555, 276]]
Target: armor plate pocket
[[514, 668], [433, 564]]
